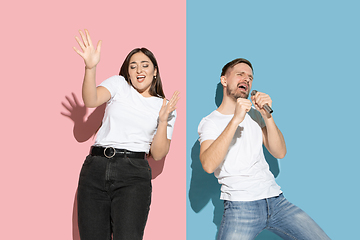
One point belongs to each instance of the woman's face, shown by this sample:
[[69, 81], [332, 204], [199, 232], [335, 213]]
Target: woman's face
[[141, 72]]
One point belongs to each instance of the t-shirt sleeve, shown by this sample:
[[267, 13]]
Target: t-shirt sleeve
[[114, 84], [171, 123], [207, 130]]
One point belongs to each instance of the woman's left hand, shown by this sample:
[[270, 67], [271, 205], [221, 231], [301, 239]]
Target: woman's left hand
[[168, 107]]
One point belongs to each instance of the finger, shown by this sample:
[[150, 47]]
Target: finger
[[263, 99], [258, 104], [174, 96], [78, 52], [176, 101], [83, 37], [75, 99], [238, 101], [176, 93], [164, 103], [256, 107], [244, 103], [253, 101], [247, 105], [88, 37], [81, 44], [267, 100], [98, 47], [66, 115], [258, 99], [72, 104], [172, 104], [256, 96], [173, 109], [66, 106]]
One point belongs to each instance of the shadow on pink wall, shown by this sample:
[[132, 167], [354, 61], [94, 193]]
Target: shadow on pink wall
[[83, 130]]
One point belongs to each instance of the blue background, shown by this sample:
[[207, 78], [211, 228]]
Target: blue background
[[305, 55]]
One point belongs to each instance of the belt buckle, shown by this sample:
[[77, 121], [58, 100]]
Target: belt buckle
[[112, 154]]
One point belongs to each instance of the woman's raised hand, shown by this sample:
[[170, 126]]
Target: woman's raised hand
[[168, 107], [90, 55]]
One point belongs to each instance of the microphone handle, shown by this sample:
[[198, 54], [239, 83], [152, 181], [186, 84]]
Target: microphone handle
[[266, 106]]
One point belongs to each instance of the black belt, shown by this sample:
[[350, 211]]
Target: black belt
[[110, 152]]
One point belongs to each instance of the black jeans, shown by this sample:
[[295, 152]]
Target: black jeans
[[114, 197]]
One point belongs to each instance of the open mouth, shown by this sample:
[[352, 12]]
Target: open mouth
[[140, 78], [243, 86]]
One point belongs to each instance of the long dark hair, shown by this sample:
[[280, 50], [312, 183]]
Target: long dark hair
[[156, 85]]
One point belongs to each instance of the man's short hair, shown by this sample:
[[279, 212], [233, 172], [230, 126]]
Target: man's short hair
[[233, 63]]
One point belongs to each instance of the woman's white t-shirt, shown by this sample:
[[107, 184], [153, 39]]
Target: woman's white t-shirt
[[130, 120]]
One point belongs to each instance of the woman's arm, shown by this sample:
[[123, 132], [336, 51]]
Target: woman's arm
[[161, 144], [93, 96]]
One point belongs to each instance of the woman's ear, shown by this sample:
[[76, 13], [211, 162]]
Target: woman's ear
[[155, 72]]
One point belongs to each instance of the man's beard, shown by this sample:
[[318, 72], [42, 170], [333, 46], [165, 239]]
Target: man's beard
[[235, 95]]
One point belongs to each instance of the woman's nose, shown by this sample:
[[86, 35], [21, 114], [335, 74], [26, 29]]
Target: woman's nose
[[138, 69]]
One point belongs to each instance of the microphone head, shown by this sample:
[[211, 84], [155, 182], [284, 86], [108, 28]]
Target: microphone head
[[253, 92]]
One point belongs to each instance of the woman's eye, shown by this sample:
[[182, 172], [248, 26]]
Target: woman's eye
[[132, 67], [145, 65]]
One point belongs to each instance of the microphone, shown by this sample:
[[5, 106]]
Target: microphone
[[266, 106]]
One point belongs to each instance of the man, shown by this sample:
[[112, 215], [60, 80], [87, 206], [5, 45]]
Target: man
[[231, 139]]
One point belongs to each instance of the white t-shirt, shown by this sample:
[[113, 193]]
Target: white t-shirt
[[130, 120], [244, 174]]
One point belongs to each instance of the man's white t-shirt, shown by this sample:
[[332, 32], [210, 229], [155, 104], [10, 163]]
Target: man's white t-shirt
[[130, 120], [244, 174]]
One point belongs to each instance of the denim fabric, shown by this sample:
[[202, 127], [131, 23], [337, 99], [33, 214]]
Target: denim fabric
[[114, 198], [245, 220]]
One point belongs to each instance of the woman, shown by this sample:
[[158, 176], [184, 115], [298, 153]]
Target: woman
[[114, 191]]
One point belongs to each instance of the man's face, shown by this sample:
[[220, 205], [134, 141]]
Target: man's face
[[238, 81]]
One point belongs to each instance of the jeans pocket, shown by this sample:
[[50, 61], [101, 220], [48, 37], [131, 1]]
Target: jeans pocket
[[139, 163], [227, 205], [140, 167], [88, 160]]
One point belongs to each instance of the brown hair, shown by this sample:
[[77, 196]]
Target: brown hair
[[156, 85], [233, 63]]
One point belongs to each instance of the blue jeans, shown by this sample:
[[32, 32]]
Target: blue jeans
[[114, 198], [244, 220]]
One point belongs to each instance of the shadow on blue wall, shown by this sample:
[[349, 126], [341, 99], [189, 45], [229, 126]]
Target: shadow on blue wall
[[204, 187]]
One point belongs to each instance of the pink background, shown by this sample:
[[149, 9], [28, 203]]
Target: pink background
[[41, 74]]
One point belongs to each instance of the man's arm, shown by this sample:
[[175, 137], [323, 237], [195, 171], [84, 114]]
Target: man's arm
[[213, 152], [272, 137]]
